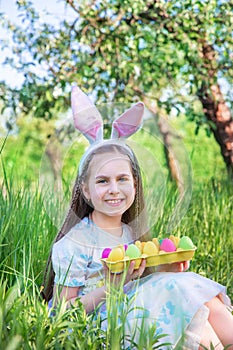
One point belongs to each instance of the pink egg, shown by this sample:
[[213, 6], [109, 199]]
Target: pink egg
[[105, 253], [167, 245], [125, 246]]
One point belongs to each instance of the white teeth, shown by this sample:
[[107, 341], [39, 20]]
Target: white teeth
[[115, 201]]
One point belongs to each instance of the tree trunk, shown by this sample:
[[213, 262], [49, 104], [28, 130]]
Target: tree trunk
[[215, 108], [168, 136], [54, 155], [218, 113]]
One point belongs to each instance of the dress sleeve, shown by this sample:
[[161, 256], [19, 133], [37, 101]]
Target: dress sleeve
[[70, 260]]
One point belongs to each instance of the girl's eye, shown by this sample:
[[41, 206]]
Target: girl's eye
[[122, 179], [101, 181]]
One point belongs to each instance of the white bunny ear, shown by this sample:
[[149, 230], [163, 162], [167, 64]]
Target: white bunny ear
[[129, 122], [87, 118]]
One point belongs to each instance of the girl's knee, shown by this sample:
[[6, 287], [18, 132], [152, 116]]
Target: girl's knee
[[210, 338]]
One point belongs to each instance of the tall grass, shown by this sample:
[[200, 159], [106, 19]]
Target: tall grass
[[27, 323], [26, 233], [26, 236], [208, 221]]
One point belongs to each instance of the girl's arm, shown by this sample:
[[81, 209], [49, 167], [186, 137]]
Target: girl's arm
[[89, 301]]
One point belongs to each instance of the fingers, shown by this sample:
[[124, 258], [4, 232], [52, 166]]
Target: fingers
[[131, 267], [131, 274], [180, 266], [183, 266], [138, 273], [186, 265], [142, 267]]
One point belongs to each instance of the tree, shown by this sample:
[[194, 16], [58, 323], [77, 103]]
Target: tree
[[168, 53]]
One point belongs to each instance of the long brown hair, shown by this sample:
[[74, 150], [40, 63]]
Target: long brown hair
[[79, 208]]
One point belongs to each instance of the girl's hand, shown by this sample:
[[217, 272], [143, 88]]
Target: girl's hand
[[119, 279], [134, 274], [175, 267]]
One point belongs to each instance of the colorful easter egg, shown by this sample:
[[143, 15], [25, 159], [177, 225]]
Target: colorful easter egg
[[106, 252], [156, 242], [175, 240], [150, 248], [167, 245], [116, 254], [139, 245], [132, 251], [186, 243]]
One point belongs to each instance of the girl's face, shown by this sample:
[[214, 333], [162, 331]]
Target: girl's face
[[110, 185]]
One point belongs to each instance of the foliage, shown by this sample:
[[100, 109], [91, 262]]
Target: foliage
[[30, 324], [24, 147], [24, 153], [120, 334], [120, 49], [26, 236]]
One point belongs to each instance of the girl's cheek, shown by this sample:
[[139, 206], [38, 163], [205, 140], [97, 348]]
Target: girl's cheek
[[98, 192], [131, 189]]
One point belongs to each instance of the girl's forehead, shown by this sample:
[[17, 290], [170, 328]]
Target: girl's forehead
[[106, 161]]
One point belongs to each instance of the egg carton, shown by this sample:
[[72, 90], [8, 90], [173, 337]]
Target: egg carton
[[151, 260]]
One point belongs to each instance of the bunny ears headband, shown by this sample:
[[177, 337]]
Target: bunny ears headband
[[88, 121]]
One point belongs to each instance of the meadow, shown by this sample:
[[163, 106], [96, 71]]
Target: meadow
[[30, 217]]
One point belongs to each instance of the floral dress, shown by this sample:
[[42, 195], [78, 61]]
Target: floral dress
[[174, 301]]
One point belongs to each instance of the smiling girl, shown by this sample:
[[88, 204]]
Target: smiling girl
[[108, 209]]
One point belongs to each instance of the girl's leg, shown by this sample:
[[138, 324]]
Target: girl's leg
[[209, 337], [221, 321]]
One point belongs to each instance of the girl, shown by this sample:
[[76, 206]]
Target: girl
[[108, 209]]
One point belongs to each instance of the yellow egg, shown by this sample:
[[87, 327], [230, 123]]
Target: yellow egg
[[139, 245], [150, 248], [156, 242], [175, 240], [116, 254], [122, 248]]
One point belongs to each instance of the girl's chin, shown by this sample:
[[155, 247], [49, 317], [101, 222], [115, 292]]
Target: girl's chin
[[114, 211]]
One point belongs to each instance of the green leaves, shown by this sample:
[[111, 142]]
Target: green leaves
[[167, 51], [103, 42]]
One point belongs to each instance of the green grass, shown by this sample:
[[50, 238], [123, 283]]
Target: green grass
[[26, 236], [30, 218], [208, 221]]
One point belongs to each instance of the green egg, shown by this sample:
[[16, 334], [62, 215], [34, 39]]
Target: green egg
[[186, 243], [132, 251]]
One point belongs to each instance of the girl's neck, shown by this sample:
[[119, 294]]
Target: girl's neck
[[110, 224]]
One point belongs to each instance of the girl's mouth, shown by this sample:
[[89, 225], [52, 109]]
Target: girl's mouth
[[114, 201]]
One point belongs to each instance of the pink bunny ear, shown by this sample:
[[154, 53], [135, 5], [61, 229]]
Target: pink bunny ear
[[87, 118], [129, 122]]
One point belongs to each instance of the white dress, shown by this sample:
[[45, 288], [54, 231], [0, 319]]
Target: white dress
[[175, 301]]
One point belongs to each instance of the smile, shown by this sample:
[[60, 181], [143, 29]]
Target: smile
[[114, 201]]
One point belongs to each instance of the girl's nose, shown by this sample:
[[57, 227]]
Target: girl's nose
[[113, 188]]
